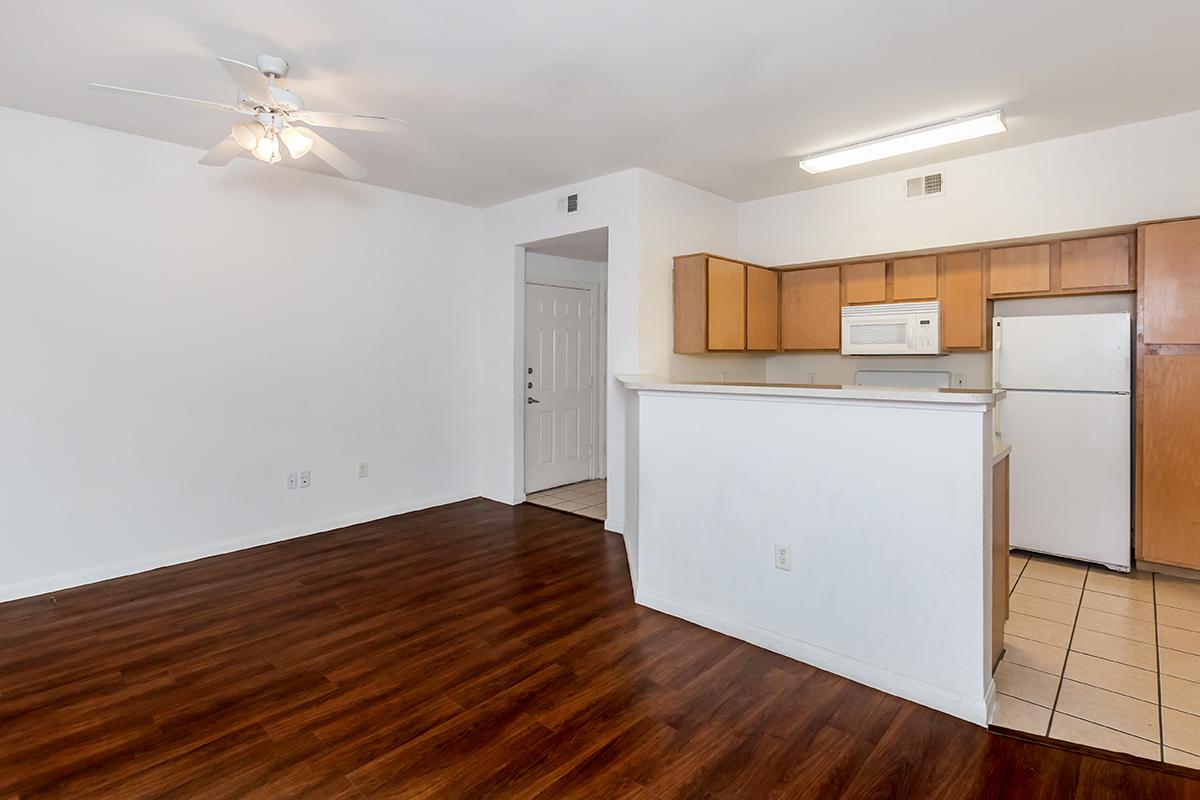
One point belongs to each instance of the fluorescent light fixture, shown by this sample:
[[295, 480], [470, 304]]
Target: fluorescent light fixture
[[955, 130]]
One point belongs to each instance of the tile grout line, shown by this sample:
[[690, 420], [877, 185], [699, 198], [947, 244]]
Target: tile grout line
[[1162, 743], [1085, 683], [1020, 574], [1106, 727], [1067, 657]]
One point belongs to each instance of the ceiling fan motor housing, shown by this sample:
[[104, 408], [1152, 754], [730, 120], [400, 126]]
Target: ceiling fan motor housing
[[272, 66]]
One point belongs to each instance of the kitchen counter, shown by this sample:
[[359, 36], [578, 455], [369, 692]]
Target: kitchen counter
[[999, 450], [876, 499], [827, 391]]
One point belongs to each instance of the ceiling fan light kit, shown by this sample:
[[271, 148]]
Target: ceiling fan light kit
[[298, 144], [274, 110]]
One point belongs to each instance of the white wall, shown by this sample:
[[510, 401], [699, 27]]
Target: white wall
[[1118, 176], [546, 267], [176, 339], [674, 219]]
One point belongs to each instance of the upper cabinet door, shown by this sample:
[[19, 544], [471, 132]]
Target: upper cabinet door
[[689, 288], [726, 305], [810, 309], [914, 278], [1097, 263], [964, 306], [1018, 270], [762, 309], [1170, 282], [864, 283]]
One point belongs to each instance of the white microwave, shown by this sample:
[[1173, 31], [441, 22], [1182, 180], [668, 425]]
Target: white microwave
[[894, 329]]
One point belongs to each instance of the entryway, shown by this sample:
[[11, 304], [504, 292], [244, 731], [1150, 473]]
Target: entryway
[[563, 373], [587, 498]]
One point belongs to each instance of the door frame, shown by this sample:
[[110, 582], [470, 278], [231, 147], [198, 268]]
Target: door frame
[[597, 294]]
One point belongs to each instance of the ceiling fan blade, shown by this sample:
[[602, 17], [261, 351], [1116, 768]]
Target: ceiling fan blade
[[225, 151], [334, 156], [103, 87], [354, 122], [252, 82]]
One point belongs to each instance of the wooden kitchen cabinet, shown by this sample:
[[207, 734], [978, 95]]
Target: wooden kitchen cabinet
[[762, 309], [914, 279], [710, 304], [1019, 270], [1101, 262], [864, 283], [810, 313], [724, 306], [1168, 429], [1167, 466], [1169, 281], [964, 304]]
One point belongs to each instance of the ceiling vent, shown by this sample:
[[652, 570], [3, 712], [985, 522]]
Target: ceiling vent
[[924, 186], [568, 204]]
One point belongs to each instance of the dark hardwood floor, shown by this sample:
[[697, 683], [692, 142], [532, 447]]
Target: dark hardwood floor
[[468, 651]]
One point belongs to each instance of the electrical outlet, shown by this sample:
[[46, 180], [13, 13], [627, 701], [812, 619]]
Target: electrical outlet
[[783, 556], [960, 380], [812, 377], [305, 479], [362, 470], [291, 481]]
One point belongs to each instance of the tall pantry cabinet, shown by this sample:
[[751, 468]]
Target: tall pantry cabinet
[[1168, 394]]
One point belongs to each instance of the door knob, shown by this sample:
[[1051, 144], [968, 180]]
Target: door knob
[[531, 401]]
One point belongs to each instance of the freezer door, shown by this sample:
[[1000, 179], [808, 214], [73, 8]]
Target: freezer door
[[1069, 474], [1085, 352]]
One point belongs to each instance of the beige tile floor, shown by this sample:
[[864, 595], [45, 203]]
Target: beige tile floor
[[1102, 659], [589, 498]]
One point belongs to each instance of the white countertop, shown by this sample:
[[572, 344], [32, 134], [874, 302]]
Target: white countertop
[[829, 391]]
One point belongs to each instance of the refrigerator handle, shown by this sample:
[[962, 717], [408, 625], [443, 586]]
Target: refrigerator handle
[[997, 344]]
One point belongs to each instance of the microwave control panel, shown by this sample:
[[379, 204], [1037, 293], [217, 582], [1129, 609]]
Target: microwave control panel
[[925, 334]]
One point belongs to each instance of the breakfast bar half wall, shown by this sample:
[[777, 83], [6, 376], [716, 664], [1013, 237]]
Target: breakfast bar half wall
[[846, 527]]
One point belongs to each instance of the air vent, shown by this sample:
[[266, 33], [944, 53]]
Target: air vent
[[923, 186], [568, 204]]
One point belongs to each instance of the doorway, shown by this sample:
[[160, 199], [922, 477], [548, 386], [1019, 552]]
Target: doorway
[[564, 373]]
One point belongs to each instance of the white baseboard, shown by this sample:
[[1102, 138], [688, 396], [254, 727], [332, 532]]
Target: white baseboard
[[972, 709], [104, 572]]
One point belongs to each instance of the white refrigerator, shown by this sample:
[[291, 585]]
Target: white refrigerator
[[1067, 416]]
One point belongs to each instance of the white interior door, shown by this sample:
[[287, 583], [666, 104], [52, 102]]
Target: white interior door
[[558, 386], [1070, 473]]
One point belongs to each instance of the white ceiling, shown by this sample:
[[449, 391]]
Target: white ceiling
[[506, 99], [585, 245]]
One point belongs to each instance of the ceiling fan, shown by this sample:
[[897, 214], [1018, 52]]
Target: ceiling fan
[[275, 112]]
